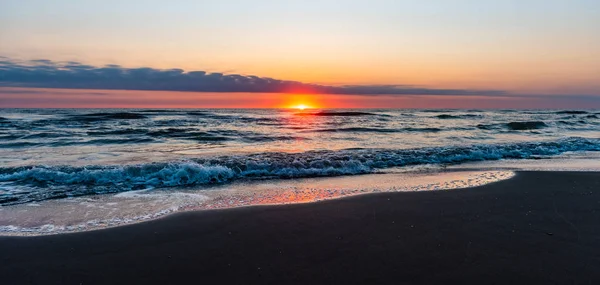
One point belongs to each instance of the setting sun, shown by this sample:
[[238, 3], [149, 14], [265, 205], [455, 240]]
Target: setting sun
[[301, 107]]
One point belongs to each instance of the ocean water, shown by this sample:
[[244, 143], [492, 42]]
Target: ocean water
[[75, 170], [55, 154]]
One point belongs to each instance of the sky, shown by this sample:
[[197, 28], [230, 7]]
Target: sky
[[273, 53]]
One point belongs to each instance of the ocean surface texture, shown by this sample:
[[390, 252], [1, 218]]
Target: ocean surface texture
[[51, 154]]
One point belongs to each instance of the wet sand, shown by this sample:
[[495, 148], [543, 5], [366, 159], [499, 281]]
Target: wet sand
[[536, 228]]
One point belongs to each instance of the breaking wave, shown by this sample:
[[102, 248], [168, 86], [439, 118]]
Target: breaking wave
[[51, 182]]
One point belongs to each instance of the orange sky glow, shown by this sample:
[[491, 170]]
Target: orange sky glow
[[81, 98]]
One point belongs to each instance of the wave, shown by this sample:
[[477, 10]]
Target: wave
[[131, 135], [48, 182], [8, 136], [95, 180], [263, 138], [19, 144], [376, 130], [118, 132], [46, 135], [108, 116], [189, 134], [465, 116], [425, 130], [174, 133], [436, 110], [64, 139], [446, 116], [515, 126], [573, 123], [5, 122], [232, 118], [199, 113], [217, 135], [568, 123], [158, 111], [572, 112], [356, 130], [109, 141], [100, 142], [333, 114], [522, 126], [260, 121], [489, 126], [215, 116]]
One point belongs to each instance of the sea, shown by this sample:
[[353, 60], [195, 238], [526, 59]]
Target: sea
[[68, 170]]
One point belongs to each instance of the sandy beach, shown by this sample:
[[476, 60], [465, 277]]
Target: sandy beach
[[536, 228]]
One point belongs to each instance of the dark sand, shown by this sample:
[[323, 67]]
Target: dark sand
[[537, 228]]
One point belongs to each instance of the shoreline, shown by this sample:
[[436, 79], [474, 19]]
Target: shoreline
[[535, 228], [395, 182]]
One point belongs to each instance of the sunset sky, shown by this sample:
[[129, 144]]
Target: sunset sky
[[273, 53]]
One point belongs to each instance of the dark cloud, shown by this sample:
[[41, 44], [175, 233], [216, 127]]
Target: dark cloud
[[45, 73]]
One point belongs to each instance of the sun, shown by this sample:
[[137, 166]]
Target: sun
[[301, 107]]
